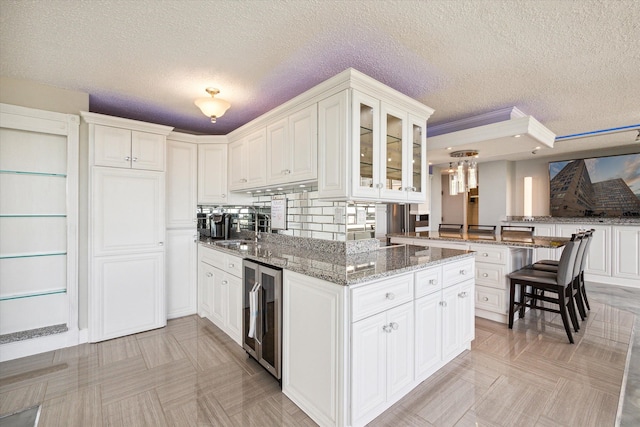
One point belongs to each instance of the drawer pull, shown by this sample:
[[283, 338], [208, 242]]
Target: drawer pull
[[390, 295], [485, 299], [485, 275], [394, 326], [462, 295], [463, 272], [485, 254]]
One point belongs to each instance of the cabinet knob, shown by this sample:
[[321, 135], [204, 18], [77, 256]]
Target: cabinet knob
[[231, 265], [243, 180], [485, 299], [379, 185], [390, 295], [485, 275], [223, 196], [386, 328], [443, 303], [433, 281], [160, 243], [209, 274], [127, 158], [394, 326], [195, 238], [462, 295], [225, 282], [463, 272], [485, 254], [135, 159]]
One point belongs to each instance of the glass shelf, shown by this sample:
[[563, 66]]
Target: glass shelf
[[32, 255], [33, 294], [33, 216], [57, 175]]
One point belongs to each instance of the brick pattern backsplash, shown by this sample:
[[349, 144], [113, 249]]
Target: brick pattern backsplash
[[309, 217]]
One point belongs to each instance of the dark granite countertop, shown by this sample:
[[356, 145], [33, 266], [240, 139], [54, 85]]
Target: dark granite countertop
[[491, 239], [341, 268]]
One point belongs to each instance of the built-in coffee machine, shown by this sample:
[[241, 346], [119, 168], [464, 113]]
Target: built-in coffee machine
[[220, 225]]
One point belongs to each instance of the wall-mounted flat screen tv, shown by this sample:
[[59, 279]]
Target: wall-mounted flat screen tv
[[596, 187]]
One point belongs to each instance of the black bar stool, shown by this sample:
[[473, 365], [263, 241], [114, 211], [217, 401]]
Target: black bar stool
[[532, 283]]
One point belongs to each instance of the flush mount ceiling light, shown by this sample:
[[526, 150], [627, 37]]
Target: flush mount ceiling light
[[212, 107], [465, 176]]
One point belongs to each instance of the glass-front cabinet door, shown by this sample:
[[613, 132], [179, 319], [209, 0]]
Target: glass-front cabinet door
[[366, 134], [393, 164], [416, 167]]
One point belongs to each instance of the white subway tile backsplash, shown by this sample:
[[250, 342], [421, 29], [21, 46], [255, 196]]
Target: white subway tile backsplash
[[323, 219]]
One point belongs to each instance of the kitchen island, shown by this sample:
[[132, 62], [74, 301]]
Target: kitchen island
[[361, 330], [496, 256]]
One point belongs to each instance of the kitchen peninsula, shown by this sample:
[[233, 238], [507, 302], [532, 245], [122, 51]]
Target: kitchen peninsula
[[496, 256], [362, 325]]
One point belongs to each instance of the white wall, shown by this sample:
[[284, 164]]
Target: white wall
[[495, 191]]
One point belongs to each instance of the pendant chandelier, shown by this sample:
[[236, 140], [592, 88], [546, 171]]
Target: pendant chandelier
[[463, 176]]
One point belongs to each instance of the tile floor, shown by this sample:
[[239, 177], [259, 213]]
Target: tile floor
[[191, 374]]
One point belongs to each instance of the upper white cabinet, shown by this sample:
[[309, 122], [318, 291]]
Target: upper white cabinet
[[247, 166], [212, 173], [376, 150], [292, 147], [389, 151], [124, 148]]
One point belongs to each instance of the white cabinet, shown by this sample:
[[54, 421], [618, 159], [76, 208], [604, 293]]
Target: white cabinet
[[388, 151], [126, 295], [598, 261], [182, 184], [372, 144], [181, 275], [125, 148], [220, 291], [382, 360], [626, 252], [128, 211], [382, 345], [126, 227], [212, 173], [292, 148], [444, 315], [247, 166]]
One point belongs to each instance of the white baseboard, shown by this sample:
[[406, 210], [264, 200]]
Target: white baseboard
[[17, 349]]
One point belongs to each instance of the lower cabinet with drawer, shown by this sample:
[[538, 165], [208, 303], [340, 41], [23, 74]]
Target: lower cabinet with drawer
[[493, 265], [444, 319], [350, 353], [220, 290]]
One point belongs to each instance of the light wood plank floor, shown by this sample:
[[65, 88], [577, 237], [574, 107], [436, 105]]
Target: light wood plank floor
[[191, 374]]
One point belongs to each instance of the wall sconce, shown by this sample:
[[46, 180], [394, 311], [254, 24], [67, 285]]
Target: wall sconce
[[212, 107], [528, 198]]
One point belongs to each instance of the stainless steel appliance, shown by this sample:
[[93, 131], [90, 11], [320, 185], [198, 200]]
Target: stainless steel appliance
[[220, 225], [262, 306], [399, 220], [203, 224]]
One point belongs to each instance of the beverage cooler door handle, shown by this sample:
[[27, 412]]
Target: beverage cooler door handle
[[259, 320]]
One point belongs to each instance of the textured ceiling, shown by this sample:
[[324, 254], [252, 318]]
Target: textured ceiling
[[573, 65]]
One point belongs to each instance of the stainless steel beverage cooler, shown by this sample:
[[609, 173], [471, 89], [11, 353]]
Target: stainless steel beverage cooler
[[266, 344]]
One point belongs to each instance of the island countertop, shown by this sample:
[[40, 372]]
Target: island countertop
[[490, 239], [342, 269]]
